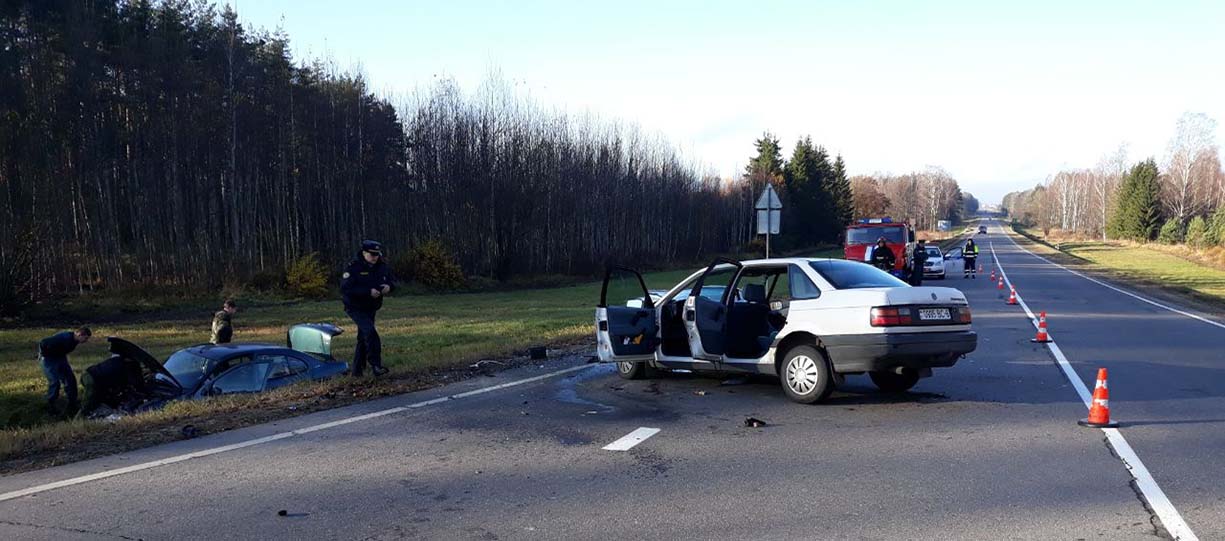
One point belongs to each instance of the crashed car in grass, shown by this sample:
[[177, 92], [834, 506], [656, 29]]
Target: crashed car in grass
[[214, 370], [810, 322]]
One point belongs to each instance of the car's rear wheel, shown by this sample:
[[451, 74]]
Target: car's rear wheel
[[892, 382], [805, 375], [629, 370]]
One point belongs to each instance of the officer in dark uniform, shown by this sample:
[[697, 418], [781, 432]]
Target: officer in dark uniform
[[53, 354], [364, 283], [917, 260]]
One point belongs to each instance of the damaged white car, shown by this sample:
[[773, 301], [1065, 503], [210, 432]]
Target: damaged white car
[[808, 321]]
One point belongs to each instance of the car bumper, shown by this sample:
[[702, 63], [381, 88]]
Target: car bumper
[[875, 352], [928, 273]]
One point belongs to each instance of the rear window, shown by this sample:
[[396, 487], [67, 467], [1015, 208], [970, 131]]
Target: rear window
[[869, 235], [845, 274]]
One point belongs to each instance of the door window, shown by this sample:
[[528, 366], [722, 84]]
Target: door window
[[801, 287], [624, 287], [283, 366], [246, 378]]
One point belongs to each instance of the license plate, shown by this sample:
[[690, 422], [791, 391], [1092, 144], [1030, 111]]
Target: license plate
[[934, 314]]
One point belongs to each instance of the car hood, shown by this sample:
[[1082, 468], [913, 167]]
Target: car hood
[[128, 350]]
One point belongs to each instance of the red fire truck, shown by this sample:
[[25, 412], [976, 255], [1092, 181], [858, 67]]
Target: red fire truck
[[863, 234]]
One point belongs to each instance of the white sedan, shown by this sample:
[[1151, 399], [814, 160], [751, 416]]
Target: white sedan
[[808, 321]]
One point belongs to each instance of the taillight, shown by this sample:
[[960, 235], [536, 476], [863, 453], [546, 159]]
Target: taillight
[[884, 316], [963, 314]]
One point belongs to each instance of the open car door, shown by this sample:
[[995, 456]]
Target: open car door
[[706, 310], [628, 331]]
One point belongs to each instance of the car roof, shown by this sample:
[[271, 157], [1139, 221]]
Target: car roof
[[218, 352]]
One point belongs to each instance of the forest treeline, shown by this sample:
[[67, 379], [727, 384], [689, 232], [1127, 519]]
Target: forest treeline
[[162, 143], [1180, 198]]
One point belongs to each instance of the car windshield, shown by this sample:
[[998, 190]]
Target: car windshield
[[186, 367], [854, 275], [933, 251], [869, 235]]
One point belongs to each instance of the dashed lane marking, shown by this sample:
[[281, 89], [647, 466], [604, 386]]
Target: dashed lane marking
[[628, 441]]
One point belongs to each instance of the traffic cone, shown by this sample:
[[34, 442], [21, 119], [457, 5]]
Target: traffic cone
[[1001, 285], [1012, 295], [1041, 337], [980, 268], [992, 275], [1099, 410]]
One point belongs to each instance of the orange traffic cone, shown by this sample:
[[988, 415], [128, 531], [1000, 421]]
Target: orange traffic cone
[[1099, 410], [980, 268], [992, 275], [1041, 337], [1001, 286], [1012, 296]]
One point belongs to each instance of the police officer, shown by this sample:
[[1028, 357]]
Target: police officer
[[223, 323], [918, 259], [53, 354], [970, 254], [364, 283], [882, 256]]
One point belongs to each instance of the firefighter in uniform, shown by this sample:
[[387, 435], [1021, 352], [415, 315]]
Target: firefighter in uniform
[[970, 253], [882, 256], [918, 258], [364, 283]]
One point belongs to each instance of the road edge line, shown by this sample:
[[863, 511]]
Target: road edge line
[[1161, 505], [12, 495]]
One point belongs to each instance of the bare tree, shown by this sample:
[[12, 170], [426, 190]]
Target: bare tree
[[1184, 185]]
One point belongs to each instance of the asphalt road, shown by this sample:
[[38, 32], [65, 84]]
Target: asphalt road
[[988, 449]]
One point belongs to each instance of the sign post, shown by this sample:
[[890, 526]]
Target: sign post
[[769, 214]]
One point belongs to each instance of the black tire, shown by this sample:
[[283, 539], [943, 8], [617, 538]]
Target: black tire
[[805, 375], [892, 382], [633, 370]]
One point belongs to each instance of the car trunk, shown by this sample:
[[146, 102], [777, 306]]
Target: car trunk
[[313, 338]]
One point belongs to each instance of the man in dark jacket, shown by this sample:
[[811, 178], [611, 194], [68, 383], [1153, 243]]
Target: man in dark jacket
[[917, 261], [364, 283], [53, 354], [112, 383], [223, 325]]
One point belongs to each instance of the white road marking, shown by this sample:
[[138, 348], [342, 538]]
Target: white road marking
[[279, 436], [628, 441], [1123, 291], [1157, 500]]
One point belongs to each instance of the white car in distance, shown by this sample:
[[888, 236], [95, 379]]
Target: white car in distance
[[810, 322]]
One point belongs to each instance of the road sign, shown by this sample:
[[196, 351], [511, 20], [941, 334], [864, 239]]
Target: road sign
[[769, 214], [768, 200], [768, 220]]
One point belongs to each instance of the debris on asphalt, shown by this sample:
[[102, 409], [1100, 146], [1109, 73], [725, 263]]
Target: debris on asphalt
[[539, 352], [477, 365], [734, 381], [591, 412], [700, 393], [753, 422], [189, 432], [282, 513]]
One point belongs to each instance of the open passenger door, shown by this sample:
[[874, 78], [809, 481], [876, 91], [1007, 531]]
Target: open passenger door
[[706, 310], [626, 333]]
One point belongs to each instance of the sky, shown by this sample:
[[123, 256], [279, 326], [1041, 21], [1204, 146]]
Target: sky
[[1000, 96]]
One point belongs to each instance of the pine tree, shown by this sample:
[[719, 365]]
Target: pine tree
[[844, 199], [1216, 228], [769, 158], [1137, 213], [1196, 231], [1171, 232]]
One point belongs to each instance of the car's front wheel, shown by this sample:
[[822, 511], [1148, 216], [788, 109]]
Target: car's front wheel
[[805, 375], [628, 370], [892, 382]]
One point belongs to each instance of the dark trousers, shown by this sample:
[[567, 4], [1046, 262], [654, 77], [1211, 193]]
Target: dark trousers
[[369, 346], [971, 265], [916, 277], [59, 373]]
